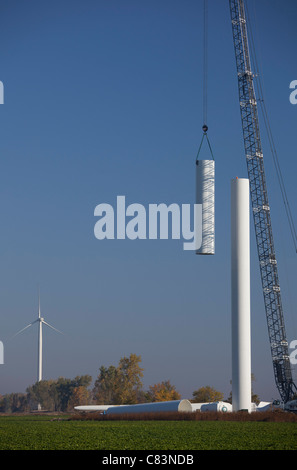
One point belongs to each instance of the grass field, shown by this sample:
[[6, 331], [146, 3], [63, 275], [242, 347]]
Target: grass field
[[37, 432]]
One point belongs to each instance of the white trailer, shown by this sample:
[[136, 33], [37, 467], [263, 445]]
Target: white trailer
[[212, 406]]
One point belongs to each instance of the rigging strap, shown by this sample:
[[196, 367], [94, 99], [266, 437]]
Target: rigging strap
[[205, 135]]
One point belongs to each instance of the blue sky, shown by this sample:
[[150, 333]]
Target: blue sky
[[104, 98]]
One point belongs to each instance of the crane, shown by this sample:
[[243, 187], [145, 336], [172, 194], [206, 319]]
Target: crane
[[260, 205]]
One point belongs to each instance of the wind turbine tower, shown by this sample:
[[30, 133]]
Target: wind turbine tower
[[40, 320]]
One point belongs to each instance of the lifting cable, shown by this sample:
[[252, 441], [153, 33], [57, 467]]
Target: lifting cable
[[205, 66], [271, 140]]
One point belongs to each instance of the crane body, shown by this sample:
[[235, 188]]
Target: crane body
[[260, 206]]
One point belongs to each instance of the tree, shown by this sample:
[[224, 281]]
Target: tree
[[66, 387], [129, 374], [14, 403], [207, 394], [80, 396], [106, 386], [54, 395], [163, 391], [43, 393], [119, 385]]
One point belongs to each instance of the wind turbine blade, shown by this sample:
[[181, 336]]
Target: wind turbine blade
[[39, 315], [23, 329], [58, 331]]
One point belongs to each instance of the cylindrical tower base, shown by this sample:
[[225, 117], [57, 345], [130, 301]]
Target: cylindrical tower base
[[240, 282]]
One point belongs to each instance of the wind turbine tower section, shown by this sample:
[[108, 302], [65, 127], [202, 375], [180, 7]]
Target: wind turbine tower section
[[205, 196], [240, 295]]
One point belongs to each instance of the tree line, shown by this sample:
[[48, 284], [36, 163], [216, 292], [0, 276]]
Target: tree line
[[114, 385]]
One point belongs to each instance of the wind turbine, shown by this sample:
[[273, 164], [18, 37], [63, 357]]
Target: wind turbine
[[40, 320]]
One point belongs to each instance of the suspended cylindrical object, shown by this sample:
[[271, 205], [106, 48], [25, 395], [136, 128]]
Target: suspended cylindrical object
[[240, 296], [205, 195]]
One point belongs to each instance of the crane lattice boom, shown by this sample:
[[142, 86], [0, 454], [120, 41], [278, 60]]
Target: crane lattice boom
[[260, 205]]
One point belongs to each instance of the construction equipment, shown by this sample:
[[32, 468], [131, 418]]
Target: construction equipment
[[260, 206]]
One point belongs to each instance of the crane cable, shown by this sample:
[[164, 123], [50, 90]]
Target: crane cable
[[271, 140], [205, 65], [205, 79]]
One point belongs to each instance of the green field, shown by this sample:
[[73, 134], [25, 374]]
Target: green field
[[47, 433]]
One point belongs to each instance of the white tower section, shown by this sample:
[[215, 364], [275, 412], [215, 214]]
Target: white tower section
[[240, 285], [40, 320], [205, 195]]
